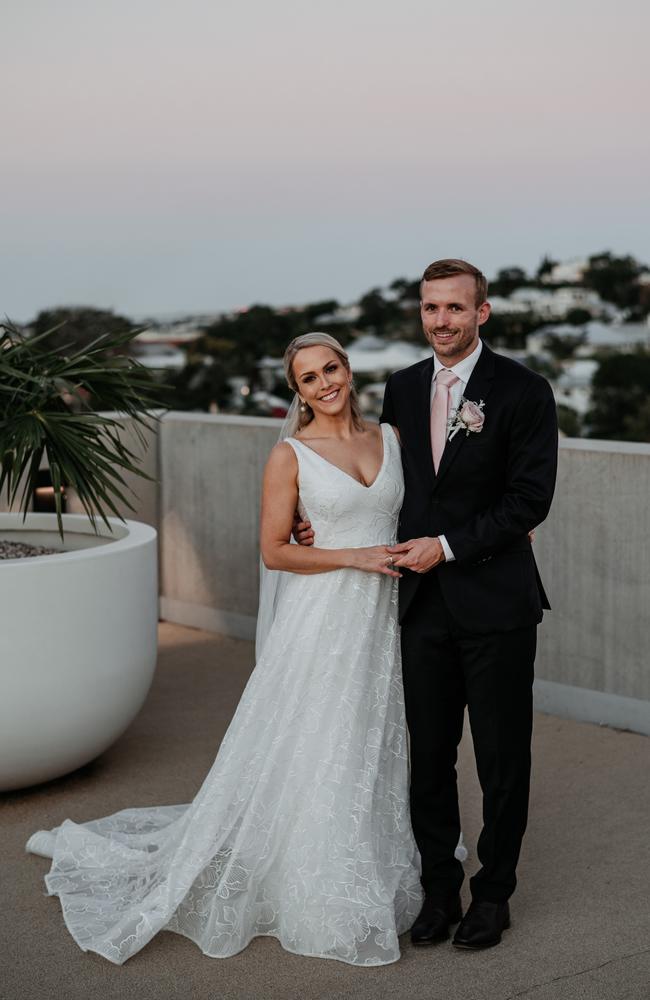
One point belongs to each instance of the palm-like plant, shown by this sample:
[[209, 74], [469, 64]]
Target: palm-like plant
[[44, 411]]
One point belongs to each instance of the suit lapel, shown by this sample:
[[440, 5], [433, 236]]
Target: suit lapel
[[477, 389], [424, 419]]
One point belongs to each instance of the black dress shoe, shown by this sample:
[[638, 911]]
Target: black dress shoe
[[437, 913], [482, 925]]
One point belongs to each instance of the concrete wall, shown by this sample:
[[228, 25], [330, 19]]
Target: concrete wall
[[593, 553], [211, 473]]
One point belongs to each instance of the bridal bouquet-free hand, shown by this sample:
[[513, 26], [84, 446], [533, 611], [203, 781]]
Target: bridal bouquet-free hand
[[468, 416]]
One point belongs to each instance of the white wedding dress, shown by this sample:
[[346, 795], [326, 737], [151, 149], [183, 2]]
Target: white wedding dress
[[301, 829]]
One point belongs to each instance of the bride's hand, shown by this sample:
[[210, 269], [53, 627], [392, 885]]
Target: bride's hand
[[374, 559]]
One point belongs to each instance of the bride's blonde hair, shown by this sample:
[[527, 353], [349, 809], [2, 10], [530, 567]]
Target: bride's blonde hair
[[302, 417]]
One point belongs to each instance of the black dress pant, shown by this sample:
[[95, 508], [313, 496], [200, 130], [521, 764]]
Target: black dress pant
[[445, 669]]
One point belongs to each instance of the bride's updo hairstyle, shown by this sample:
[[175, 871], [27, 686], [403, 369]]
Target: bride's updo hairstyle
[[302, 417]]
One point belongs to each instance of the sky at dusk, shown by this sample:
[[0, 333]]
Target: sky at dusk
[[165, 157]]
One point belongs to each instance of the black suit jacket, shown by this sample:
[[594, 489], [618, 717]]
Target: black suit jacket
[[491, 489]]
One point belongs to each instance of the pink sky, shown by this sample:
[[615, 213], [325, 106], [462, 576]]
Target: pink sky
[[165, 157]]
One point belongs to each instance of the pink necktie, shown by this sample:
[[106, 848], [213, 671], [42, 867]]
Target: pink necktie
[[440, 413]]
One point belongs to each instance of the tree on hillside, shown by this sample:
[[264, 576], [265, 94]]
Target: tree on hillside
[[614, 278], [377, 313], [509, 330], [546, 265], [316, 309], [201, 384], [638, 426], [78, 326], [620, 395], [578, 316], [240, 340], [568, 421], [406, 290], [507, 280], [543, 366], [563, 347]]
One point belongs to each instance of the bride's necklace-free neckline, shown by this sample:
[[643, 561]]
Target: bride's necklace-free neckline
[[365, 486]]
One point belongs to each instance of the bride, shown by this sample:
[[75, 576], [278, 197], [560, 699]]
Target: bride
[[301, 828]]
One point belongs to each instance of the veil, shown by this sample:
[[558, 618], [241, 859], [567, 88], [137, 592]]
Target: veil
[[272, 581]]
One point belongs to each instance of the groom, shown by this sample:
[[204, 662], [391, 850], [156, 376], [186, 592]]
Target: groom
[[479, 450]]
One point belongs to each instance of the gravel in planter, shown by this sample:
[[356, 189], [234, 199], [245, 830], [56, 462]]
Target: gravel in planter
[[21, 550]]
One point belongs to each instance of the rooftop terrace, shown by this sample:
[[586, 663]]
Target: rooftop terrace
[[580, 924]]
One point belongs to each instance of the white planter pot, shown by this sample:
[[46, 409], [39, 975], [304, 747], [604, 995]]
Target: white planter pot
[[78, 642]]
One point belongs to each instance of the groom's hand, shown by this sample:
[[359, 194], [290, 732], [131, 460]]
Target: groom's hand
[[302, 531], [418, 554]]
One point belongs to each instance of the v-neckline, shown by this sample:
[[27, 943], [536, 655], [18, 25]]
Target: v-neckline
[[363, 486]]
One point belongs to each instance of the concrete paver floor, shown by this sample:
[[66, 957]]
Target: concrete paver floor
[[580, 916]]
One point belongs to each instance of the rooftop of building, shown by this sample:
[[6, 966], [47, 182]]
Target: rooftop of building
[[579, 916]]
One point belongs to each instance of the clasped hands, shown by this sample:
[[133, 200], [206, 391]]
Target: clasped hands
[[418, 554]]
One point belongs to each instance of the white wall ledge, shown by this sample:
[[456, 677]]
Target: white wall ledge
[[597, 707], [613, 447]]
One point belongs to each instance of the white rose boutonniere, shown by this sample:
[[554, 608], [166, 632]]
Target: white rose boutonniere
[[468, 417]]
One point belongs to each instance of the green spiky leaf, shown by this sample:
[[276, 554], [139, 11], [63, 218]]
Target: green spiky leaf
[[49, 403]]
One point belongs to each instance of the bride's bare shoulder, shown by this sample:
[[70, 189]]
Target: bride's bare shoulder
[[282, 459]]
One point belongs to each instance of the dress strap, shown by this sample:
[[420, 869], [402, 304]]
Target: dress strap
[[391, 441], [299, 453], [294, 444]]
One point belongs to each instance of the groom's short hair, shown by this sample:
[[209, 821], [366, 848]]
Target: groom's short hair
[[451, 266]]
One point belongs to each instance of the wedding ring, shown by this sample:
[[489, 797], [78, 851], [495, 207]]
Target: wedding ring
[[390, 562]]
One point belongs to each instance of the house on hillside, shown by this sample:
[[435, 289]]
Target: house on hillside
[[592, 337], [507, 306], [621, 337], [342, 314], [566, 272], [377, 358], [555, 303], [573, 387]]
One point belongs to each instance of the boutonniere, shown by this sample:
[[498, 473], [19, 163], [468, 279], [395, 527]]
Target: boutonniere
[[468, 416]]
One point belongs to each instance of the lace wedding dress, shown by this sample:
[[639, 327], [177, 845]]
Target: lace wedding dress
[[301, 829]]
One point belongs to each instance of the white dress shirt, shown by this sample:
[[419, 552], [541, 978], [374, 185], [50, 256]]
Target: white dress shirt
[[462, 371]]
